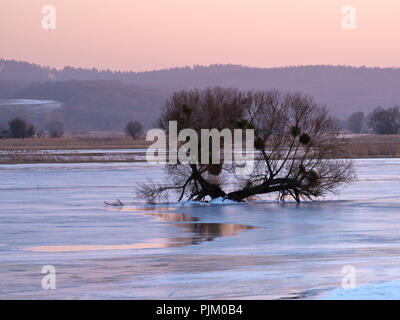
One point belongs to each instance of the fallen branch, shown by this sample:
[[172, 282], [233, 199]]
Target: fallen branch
[[117, 203]]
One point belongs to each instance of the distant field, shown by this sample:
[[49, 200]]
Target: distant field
[[373, 146], [85, 141], [27, 150]]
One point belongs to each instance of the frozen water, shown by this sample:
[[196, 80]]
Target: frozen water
[[30, 102], [53, 214]]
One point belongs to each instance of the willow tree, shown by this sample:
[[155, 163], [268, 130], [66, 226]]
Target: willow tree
[[296, 144]]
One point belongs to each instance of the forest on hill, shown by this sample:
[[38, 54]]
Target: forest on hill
[[94, 99]]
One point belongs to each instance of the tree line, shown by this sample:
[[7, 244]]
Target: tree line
[[379, 121], [19, 128]]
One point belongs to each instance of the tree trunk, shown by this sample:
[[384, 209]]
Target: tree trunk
[[268, 186], [209, 189]]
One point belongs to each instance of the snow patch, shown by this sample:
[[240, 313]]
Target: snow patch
[[216, 201], [192, 203], [222, 200], [379, 291]]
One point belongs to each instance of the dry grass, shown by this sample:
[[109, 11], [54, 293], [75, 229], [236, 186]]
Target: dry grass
[[23, 150], [373, 146], [83, 141], [50, 156]]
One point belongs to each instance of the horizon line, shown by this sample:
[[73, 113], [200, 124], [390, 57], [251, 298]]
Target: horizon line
[[194, 66]]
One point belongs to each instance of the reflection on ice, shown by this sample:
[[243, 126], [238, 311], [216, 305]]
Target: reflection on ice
[[209, 231], [158, 243], [161, 216], [201, 232]]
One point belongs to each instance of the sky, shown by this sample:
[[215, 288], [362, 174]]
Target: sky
[[142, 35]]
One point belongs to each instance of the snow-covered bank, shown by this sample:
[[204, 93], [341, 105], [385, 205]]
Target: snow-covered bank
[[379, 291]]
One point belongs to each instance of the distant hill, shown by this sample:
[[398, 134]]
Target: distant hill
[[85, 105], [141, 94]]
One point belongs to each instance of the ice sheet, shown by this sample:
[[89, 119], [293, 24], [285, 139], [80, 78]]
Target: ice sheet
[[262, 249]]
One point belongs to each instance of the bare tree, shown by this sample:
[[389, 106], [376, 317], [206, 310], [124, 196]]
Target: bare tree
[[296, 139], [355, 122], [56, 129], [134, 129], [384, 121]]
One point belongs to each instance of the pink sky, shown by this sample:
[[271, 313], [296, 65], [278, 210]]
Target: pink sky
[[153, 34]]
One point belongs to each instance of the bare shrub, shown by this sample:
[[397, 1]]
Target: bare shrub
[[134, 129], [56, 129]]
